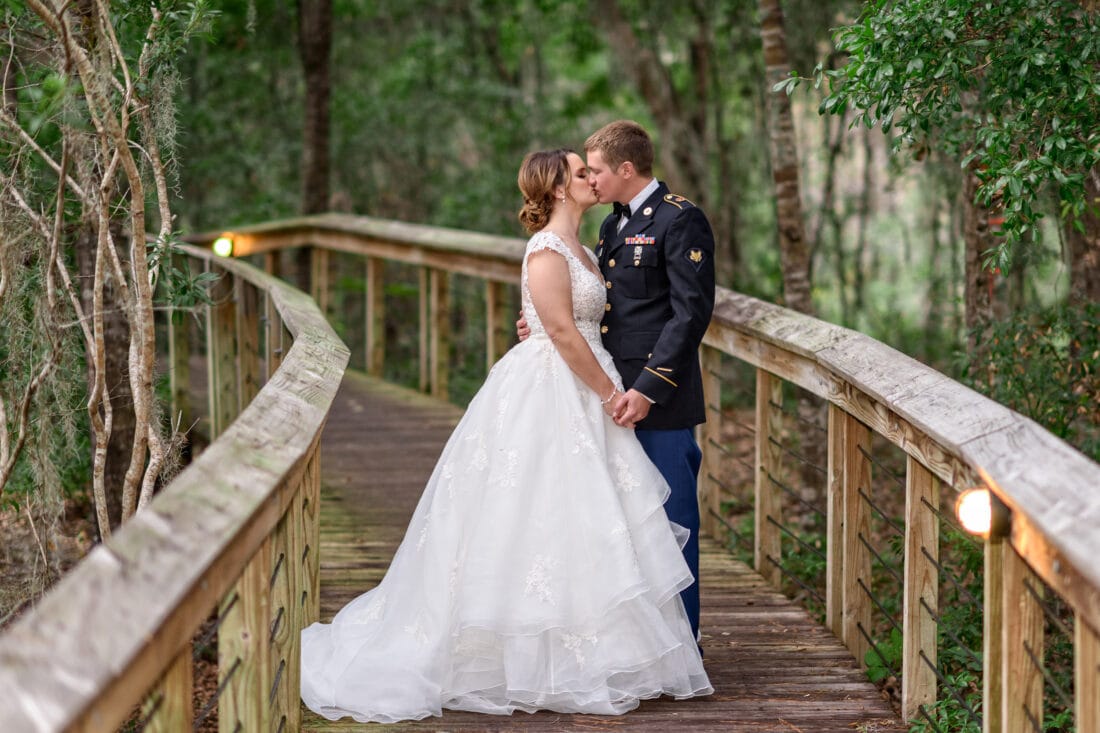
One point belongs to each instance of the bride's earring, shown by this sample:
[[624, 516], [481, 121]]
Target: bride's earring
[[562, 198]]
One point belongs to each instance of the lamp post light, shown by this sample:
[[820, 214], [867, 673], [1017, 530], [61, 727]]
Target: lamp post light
[[982, 514], [223, 246]]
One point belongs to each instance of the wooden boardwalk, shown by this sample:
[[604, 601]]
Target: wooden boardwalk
[[773, 668]]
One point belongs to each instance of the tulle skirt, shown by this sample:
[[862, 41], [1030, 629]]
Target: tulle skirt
[[539, 571]]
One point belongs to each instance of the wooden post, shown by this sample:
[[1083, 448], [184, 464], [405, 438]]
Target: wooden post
[[248, 343], [284, 637], [440, 320], [172, 697], [299, 591], [834, 523], [243, 648], [221, 355], [993, 641], [1023, 629], [271, 263], [376, 316], [1086, 680], [273, 337], [769, 424], [311, 552], [498, 322], [857, 522], [710, 492], [319, 286], [922, 534], [425, 329]]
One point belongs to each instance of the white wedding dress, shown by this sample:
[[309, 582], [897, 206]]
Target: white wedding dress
[[539, 571]]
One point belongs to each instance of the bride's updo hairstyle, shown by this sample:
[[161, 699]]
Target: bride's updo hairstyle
[[539, 174]]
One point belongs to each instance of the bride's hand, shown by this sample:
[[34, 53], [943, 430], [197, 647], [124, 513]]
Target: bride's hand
[[611, 403], [631, 409]]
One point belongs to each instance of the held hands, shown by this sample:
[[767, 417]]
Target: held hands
[[629, 408]]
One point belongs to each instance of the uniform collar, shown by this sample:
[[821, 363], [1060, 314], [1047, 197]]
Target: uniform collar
[[645, 193]]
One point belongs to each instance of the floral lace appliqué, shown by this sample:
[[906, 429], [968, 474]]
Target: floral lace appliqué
[[575, 643], [479, 459], [417, 630], [538, 579], [507, 475], [374, 609], [624, 477], [582, 434]]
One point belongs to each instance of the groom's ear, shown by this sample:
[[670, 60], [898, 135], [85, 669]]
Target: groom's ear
[[627, 170]]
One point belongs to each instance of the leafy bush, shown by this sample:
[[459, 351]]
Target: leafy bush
[[1045, 364]]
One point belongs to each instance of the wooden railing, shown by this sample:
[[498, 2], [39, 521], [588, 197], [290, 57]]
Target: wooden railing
[[949, 434], [951, 438], [234, 536]]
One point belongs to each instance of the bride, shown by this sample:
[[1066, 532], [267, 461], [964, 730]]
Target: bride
[[539, 570]]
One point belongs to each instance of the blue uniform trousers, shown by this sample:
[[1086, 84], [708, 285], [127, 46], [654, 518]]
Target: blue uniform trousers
[[677, 457]]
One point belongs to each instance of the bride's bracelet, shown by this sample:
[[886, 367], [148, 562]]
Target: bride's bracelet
[[611, 396]]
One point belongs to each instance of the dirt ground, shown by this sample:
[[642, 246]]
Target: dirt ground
[[33, 555]]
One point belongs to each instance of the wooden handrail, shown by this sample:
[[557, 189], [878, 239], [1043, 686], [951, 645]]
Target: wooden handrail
[[125, 616], [951, 435]]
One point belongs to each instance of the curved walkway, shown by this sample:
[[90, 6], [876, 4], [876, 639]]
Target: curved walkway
[[772, 667]]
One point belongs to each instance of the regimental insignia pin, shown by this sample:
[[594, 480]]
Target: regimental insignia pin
[[647, 211], [637, 253]]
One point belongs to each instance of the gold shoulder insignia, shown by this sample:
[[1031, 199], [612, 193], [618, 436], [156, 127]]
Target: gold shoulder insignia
[[677, 200]]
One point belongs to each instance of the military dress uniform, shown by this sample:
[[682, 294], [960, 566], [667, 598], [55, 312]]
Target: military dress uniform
[[659, 273]]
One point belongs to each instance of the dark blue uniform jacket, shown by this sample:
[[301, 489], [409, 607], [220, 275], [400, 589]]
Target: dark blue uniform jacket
[[659, 272]]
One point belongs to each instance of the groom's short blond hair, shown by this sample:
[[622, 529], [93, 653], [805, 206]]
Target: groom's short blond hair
[[622, 141]]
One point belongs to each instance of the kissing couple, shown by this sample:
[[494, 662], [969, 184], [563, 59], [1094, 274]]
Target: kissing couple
[[552, 561]]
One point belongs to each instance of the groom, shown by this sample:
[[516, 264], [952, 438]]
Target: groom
[[656, 254]]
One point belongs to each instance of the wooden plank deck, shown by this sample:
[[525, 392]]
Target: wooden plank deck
[[772, 667]]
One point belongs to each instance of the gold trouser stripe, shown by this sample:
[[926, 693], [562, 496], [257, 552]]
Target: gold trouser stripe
[[662, 376]]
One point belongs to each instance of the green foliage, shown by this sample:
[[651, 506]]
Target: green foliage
[[948, 713], [1010, 87], [884, 659], [55, 461], [179, 288], [1045, 364]]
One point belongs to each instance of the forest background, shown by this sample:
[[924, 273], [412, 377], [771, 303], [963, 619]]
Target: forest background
[[909, 236]]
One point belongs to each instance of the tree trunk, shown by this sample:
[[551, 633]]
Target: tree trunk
[[978, 290], [688, 120], [793, 249], [315, 52], [1084, 247], [116, 337]]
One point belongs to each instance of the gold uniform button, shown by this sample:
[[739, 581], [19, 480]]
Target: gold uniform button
[[608, 284], [611, 263], [603, 329], [649, 355], [607, 306]]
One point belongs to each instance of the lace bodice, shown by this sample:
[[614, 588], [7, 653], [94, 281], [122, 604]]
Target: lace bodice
[[589, 290]]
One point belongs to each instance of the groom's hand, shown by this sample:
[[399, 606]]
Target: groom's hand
[[631, 408], [522, 329]]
